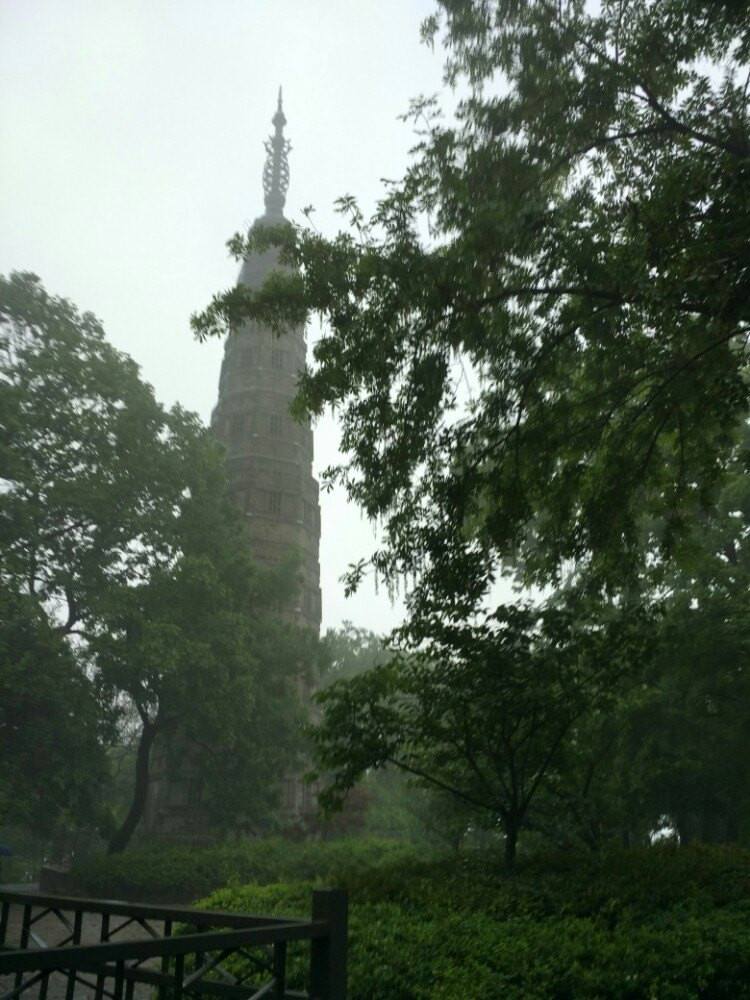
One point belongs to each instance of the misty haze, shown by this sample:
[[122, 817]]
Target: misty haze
[[374, 616]]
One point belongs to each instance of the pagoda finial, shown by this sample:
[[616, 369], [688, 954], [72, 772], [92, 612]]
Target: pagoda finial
[[276, 169]]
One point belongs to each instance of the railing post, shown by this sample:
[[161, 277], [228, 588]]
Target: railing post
[[162, 990], [328, 954], [103, 938], [77, 928], [119, 980], [279, 970], [179, 977], [25, 932]]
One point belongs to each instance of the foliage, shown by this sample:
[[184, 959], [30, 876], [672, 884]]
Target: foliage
[[350, 651], [673, 749], [86, 455], [403, 807], [537, 349], [657, 922], [162, 872], [50, 725], [484, 711], [385, 803], [200, 650], [588, 214], [117, 523], [693, 730]]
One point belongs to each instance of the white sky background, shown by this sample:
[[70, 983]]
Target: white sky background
[[131, 148]]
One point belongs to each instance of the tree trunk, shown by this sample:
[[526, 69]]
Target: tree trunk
[[121, 838]]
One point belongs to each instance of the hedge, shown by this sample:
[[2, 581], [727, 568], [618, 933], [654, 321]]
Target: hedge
[[662, 922], [161, 873], [659, 923], [397, 954]]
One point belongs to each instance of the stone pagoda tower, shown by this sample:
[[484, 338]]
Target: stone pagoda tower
[[269, 458], [269, 454]]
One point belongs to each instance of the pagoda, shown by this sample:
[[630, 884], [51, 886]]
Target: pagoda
[[269, 458], [269, 453]]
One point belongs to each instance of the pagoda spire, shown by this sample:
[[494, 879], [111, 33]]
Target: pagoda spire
[[276, 168]]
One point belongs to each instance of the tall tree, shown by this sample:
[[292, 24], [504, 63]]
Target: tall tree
[[482, 713], [117, 525], [572, 245], [588, 214]]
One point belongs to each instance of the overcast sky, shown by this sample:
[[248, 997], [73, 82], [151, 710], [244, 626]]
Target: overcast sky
[[131, 148]]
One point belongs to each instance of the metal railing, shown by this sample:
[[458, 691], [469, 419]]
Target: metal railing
[[189, 963]]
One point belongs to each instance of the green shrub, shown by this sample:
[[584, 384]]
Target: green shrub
[[172, 874], [663, 922], [610, 887], [397, 953]]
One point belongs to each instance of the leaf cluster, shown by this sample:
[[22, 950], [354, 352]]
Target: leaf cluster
[[588, 212]]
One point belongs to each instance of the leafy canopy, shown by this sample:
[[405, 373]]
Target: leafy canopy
[[570, 246], [119, 534], [585, 268], [484, 711]]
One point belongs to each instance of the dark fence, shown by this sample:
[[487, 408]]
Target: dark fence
[[190, 963]]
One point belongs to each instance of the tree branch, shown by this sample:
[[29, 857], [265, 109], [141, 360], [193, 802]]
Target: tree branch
[[418, 773]]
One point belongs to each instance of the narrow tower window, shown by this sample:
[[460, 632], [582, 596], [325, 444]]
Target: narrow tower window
[[274, 502]]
